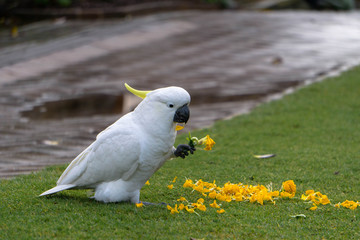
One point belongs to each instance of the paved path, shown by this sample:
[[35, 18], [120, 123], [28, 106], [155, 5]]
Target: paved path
[[58, 92]]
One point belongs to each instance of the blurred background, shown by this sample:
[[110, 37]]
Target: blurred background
[[63, 63]]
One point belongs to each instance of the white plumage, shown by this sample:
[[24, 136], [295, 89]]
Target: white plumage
[[126, 154]]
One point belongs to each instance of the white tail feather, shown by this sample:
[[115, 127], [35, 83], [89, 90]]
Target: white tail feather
[[57, 189]]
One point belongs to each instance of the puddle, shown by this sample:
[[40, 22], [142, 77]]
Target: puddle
[[81, 106]]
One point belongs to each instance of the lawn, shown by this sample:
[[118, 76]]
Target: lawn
[[315, 134]]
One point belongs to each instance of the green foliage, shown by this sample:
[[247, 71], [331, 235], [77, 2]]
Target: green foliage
[[314, 134]]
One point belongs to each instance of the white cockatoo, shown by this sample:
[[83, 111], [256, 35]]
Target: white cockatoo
[[127, 153]]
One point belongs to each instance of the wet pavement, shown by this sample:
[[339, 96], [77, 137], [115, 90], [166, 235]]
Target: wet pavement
[[64, 83]]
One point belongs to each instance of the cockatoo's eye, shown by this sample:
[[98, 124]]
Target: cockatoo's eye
[[170, 105]]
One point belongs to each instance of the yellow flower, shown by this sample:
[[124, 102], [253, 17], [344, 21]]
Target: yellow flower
[[171, 186], [200, 201], [214, 205], [188, 183], [190, 210], [274, 193], [286, 194], [147, 182], [221, 197], [199, 188], [208, 142], [139, 205], [315, 197], [310, 195], [324, 200], [350, 204], [309, 192], [289, 186], [238, 197], [228, 199], [201, 207], [181, 199], [212, 194], [181, 206], [220, 211], [314, 207], [174, 180], [173, 210], [337, 205]]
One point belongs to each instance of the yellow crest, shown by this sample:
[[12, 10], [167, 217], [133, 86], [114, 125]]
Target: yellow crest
[[141, 94]]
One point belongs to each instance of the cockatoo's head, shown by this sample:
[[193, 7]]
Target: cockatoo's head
[[164, 106]]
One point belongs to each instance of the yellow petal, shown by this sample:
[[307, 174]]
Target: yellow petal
[[190, 210], [313, 208], [141, 94], [181, 199], [220, 211]]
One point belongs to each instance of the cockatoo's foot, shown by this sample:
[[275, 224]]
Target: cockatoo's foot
[[183, 150]]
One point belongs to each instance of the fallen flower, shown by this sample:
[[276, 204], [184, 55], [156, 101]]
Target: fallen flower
[[220, 211], [181, 199], [286, 194], [181, 206], [289, 186], [314, 207], [350, 204], [139, 205], [315, 197], [214, 205], [188, 183], [173, 210], [239, 192], [190, 210]]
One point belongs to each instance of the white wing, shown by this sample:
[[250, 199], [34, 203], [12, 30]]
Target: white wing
[[114, 155]]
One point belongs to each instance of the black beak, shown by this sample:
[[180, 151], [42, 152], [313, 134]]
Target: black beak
[[182, 114]]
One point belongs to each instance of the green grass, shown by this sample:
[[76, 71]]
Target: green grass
[[315, 134]]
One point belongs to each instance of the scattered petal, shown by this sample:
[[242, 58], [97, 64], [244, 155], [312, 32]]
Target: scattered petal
[[181, 206], [139, 205], [220, 211], [181, 199], [350, 204], [214, 205], [314, 207], [190, 210]]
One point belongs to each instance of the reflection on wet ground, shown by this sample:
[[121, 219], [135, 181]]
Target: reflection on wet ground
[[57, 94]]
